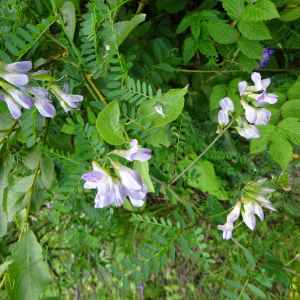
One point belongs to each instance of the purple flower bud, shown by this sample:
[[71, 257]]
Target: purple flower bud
[[13, 106], [15, 79], [22, 67]]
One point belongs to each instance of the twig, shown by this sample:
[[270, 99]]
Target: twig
[[8, 132], [141, 7]]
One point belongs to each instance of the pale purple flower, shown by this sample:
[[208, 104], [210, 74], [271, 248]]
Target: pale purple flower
[[42, 101], [131, 179], [138, 199], [249, 131], [34, 220], [226, 105], [264, 98], [250, 112], [121, 192], [223, 118], [142, 287], [22, 67], [68, 102], [135, 153], [227, 230], [263, 116], [266, 57], [106, 195], [13, 106], [242, 87], [19, 80]]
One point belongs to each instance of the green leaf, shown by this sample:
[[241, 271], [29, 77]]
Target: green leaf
[[157, 52], [293, 91], [254, 30], [25, 34], [229, 294], [189, 49], [289, 15], [249, 257], [43, 77], [234, 8], [4, 266], [166, 67], [61, 142], [116, 271], [260, 11], [171, 6], [135, 260], [5, 167], [172, 252], [143, 169], [223, 33], [47, 170], [137, 278], [186, 21], [281, 150], [160, 239], [195, 27], [206, 47], [240, 270], [16, 199], [246, 297], [149, 113], [190, 211], [234, 284], [143, 253], [108, 124], [11, 48], [125, 284], [127, 265], [266, 132], [218, 93], [41, 27], [256, 290], [69, 18], [145, 270], [179, 219], [155, 265], [129, 26], [252, 49], [27, 270], [5, 57], [291, 128], [291, 108]]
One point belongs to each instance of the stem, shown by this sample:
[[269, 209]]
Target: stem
[[225, 71], [69, 38], [56, 41], [33, 182], [219, 214], [237, 115], [237, 243], [142, 4], [95, 89], [8, 132], [169, 189], [242, 291]]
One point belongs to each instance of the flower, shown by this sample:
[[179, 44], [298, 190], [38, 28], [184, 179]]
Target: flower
[[223, 118], [265, 98], [121, 192], [131, 179], [249, 131], [250, 220], [138, 199], [159, 109], [135, 153], [42, 101], [226, 105], [16, 73], [259, 84], [13, 106], [263, 116], [106, 193], [68, 102], [266, 57], [249, 111], [235, 213], [227, 230]]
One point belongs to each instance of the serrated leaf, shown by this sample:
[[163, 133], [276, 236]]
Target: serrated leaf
[[260, 10], [234, 8], [196, 28], [223, 33], [218, 93], [189, 49], [252, 49], [289, 15], [254, 30], [206, 47], [108, 124], [27, 269], [266, 133], [291, 128], [247, 64], [291, 108]]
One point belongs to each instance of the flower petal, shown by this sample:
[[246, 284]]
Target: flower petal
[[93, 176], [19, 67], [16, 79], [223, 117], [120, 192], [45, 108], [13, 106], [90, 185], [131, 179], [242, 86], [105, 200], [226, 105], [21, 98]]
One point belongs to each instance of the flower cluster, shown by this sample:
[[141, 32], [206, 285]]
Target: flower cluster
[[266, 57], [16, 79], [126, 182], [251, 103], [253, 199]]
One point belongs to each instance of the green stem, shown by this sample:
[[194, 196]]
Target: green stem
[[219, 214], [237, 115], [69, 38], [10, 130], [56, 41], [242, 291]]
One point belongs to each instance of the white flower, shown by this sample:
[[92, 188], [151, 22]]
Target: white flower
[[13, 106], [235, 213], [227, 230], [242, 86], [250, 221], [259, 84], [250, 112], [263, 116], [249, 131], [264, 98], [226, 105], [159, 109], [223, 118]]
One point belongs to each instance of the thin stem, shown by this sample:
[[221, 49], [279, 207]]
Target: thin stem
[[219, 214], [95, 89], [8, 132], [68, 36], [237, 243], [56, 41], [242, 291], [237, 115]]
